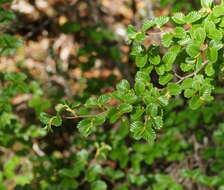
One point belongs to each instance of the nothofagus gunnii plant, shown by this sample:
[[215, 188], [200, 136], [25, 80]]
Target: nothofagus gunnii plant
[[186, 65]]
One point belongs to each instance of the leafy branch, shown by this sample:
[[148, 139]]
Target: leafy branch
[[193, 45]]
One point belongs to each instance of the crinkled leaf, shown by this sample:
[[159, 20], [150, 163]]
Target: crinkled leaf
[[139, 87], [85, 127], [192, 17], [212, 54], [206, 3], [199, 34], [147, 25], [123, 85], [98, 185], [187, 83], [179, 32], [140, 130], [174, 89], [161, 20], [137, 113], [104, 99], [165, 78], [141, 60], [218, 10], [195, 102], [142, 76], [167, 39], [193, 49], [125, 108], [209, 70], [91, 102], [179, 18]]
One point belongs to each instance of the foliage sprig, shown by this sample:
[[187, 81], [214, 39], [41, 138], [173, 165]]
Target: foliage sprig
[[183, 66]]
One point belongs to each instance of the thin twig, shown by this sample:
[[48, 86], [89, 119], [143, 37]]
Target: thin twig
[[84, 116], [192, 74]]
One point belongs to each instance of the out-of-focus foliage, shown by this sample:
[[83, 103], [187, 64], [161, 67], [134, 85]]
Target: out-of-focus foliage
[[184, 5], [164, 131]]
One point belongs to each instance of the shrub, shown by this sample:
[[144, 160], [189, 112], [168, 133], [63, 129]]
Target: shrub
[[173, 111], [184, 66]]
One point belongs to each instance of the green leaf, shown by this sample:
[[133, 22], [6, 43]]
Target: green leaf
[[56, 121], [138, 50], [60, 107], [91, 102], [44, 117], [165, 78], [15, 77], [153, 54], [193, 49], [68, 172], [186, 67], [139, 87], [167, 39], [104, 99], [69, 183], [113, 115], [123, 85], [125, 108], [218, 10], [85, 127], [9, 44], [10, 166], [179, 18], [70, 27], [185, 41], [98, 185], [130, 97], [161, 20], [140, 36], [114, 174], [155, 60], [160, 69], [141, 60], [142, 77], [147, 25], [93, 172], [206, 3], [195, 102], [199, 34], [213, 32], [179, 32], [215, 35], [6, 17], [174, 89], [187, 83], [158, 122], [152, 109], [221, 24], [192, 17], [217, 44], [209, 70], [137, 113], [49, 120], [140, 130], [131, 32], [164, 100], [169, 59], [99, 119], [212, 54]]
